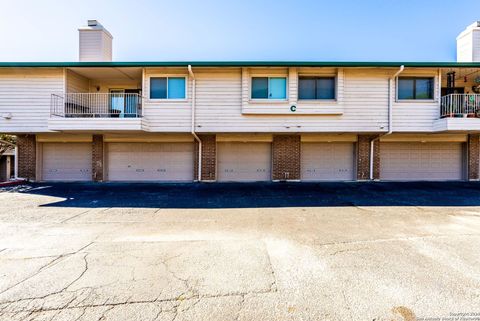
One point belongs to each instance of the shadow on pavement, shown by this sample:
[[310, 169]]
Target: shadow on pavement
[[258, 195]]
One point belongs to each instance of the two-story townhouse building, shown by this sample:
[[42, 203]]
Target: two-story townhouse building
[[98, 120]]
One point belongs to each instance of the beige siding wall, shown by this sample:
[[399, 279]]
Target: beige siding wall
[[416, 116], [167, 115], [220, 98], [76, 83], [25, 94], [223, 97], [95, 45]]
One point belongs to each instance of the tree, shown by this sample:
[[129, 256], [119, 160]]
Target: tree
[[5, 146]]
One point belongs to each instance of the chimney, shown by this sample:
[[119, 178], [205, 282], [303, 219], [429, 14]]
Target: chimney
[[468, 44], [95, 42]]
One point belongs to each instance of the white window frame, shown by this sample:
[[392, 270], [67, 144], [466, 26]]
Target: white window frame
[[167, 77], [268, 100], [433, 99], [318, 101]]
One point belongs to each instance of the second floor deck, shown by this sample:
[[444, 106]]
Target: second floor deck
[[96, 105]]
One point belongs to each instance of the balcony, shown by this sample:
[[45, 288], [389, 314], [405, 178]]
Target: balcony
[[96, 111], [96, 105], [459, 112], [460, 105]]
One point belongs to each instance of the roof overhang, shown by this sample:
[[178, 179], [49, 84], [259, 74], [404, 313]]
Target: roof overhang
[[364, 64]]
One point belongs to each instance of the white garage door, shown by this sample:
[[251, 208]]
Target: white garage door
[[150, 161], [67, 162], [244, 162], [327, 161], [421, 161]]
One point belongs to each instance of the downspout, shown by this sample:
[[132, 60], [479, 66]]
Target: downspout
[[15, 166], [199, 172], [390, 118]]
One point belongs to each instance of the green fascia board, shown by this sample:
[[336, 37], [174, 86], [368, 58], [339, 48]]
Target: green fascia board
[[243, 64]]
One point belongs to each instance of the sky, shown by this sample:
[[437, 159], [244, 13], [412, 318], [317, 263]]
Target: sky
[[208, 30]]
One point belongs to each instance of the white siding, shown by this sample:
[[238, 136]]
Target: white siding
[[476, 45], [167, 116], [219, 105], [76, 83], [464, 48], [416, 116], [362, 101], [95, 45], [25, 94], [468, 44], [307, 107]]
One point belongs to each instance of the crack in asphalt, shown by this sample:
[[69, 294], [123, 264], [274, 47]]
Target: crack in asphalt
[[56, 260], [74, 216], [410, 238], [196, 298], [273, 284]]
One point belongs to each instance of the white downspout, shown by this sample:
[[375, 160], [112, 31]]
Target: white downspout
[[15, 162], [199, 178], [390, 118]]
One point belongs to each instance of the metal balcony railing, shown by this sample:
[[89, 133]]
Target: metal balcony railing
[[460, 105], [101, 105]]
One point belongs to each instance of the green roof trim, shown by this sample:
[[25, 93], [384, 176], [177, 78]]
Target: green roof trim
[[242, 64]]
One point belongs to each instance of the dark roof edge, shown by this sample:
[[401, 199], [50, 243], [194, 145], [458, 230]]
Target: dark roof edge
[[240, 64]]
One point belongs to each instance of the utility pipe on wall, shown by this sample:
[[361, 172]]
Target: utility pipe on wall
[[390, 117], [199, 178]]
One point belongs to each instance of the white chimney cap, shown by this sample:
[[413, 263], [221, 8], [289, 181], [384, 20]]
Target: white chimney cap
[[473, 26], [95, 25]]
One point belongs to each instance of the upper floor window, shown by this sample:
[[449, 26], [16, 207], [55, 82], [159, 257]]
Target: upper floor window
[[167, 88], [316, 88], [269, 88], [415, 88]]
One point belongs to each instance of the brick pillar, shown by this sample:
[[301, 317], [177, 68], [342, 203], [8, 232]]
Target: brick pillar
[[209, 158], [363, 157], [473, 156], [286, 157], [27, 156], [97, 158]]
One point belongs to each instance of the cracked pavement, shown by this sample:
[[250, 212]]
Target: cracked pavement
[[83, 262]]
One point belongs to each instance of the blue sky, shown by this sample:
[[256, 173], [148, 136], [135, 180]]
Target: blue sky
[[369, 30]]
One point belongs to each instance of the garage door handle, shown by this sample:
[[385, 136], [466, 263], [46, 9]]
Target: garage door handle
[[139, 170]]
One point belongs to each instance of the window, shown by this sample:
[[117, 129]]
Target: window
[[316, 88], [269, 88], [415, 88], [167, 88]]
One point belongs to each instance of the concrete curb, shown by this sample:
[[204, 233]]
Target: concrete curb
[[12, 183]]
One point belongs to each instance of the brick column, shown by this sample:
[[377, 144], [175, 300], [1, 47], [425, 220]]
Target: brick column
[[27, 156], [363, 157], [97, 158], [473, 156], [209, 158], [286, 157]]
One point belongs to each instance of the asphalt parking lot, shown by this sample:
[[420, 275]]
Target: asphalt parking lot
[[332, 251]]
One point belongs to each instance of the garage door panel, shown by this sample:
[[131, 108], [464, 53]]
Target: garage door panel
[[421, 161], [327, 161], [150, 161], [66, 162], [244, 161]]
